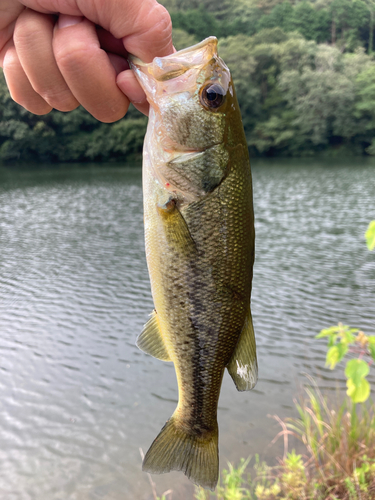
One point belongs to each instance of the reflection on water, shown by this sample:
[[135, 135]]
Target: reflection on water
[[78, 398]]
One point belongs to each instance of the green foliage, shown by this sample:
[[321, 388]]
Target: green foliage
[[74, 136], [298, 95], [338, 441], [339, 337], [358, 387], [182, 39], [198, 22], [342, 340], [370, 237], [232, 481], [293, 476], [236, 484]]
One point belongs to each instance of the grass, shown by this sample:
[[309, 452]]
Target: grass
[[337, 461], [338, 442]]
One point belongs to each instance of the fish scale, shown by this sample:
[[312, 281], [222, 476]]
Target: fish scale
[[199, 235]]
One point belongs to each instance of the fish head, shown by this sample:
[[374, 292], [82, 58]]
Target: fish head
[[191, 98]]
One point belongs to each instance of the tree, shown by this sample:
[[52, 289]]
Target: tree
[[313, 24], [182, 39], [365, 105], [279, 17], [198, 22], [237, 53], [348, 17], [74, 136]]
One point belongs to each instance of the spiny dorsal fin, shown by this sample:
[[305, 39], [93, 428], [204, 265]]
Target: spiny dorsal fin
[[243, 366], [151, 341]]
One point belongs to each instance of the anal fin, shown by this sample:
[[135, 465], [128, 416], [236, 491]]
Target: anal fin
[[243, 366], [151, 341]]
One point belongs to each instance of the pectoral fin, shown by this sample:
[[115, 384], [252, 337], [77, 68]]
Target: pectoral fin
[[243, 366], [151, 341], [175, 227]]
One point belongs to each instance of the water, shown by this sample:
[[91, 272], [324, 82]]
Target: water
[[78, 399]]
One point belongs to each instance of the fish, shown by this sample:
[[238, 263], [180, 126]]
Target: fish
[[199, 240]]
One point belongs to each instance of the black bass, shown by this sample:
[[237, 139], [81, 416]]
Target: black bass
[[199, 230]]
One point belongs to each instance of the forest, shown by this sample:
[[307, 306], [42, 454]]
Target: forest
[[304, 72]]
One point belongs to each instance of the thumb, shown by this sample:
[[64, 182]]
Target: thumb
[[146, 29], [144, 26]]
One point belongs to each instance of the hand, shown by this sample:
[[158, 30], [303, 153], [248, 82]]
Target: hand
[[60, 54]]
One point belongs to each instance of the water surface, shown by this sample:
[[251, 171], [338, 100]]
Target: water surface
[[78, 399]]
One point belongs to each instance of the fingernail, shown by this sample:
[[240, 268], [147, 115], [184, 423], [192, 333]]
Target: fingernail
[[65, 21]]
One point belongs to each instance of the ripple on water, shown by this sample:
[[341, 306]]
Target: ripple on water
[[78, 398]]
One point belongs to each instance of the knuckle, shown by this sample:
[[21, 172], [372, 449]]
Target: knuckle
[[160, 22], [20, 88], [72, 58], [61, 99], [23, 33], [29, 29]]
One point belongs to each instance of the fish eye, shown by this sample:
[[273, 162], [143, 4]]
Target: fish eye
[[212, 96]]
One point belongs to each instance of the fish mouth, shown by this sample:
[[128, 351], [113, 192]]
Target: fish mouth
[[209, 42], [176, 64]]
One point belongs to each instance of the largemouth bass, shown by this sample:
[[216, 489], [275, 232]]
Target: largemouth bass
[[199, 232]]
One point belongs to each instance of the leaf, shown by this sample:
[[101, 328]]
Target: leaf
[[332, 341], [333, 355], [356, 369], [371, 348], [348, 336], [370, 236], [343, 349], [333, 330], [358, 393]]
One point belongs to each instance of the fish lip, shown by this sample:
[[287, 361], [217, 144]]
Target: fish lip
[[197, 46], [135, 61]]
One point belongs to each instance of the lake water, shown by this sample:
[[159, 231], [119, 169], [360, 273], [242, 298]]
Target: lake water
[[78, 399]]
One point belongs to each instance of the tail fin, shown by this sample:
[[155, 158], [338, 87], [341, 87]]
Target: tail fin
[[176, 449]]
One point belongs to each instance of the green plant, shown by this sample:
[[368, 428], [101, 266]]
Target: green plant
[[232, 484], [370, 235], [294, 474], [266, 484], [343, 340], [339, 458]]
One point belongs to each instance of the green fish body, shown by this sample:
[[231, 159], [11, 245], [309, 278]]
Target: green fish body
[[199, 233]]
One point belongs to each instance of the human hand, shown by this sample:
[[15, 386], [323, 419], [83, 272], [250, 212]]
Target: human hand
[[60, 54]]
